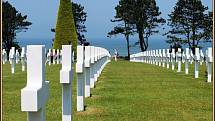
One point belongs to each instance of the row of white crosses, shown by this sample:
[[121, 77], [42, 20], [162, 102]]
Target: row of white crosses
[[56, 56], [14, 58], [90, 62], [162, 57]]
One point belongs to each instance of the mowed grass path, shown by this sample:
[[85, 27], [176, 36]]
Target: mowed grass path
[[125, 91]]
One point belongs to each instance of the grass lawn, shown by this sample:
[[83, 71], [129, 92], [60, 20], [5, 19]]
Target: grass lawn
[[125, 91]]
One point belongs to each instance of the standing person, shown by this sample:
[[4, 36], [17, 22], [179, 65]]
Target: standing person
[[115, 54]]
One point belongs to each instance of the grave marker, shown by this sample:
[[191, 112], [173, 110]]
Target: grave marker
[[58, 56], [191, 57], [183, 57], [17, 56], [4, 56], [10, 53], [160, 57], [12, 59], [80, 78], [153, 57], [173, 59], [66, 76], [157, 57], [179, 59], [209, 64], [197, 59], [187, 58], [54, 56], [206, 55], [49, 57], [168, 58], [92, 79], [96, 65], [150, 57], [87, 62], [35, 95], [163, 58], [201, 57], [23, 58]]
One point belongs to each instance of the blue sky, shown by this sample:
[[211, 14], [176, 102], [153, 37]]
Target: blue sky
[[43, 14]]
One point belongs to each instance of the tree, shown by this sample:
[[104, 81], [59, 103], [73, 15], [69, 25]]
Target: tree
[[208, 27], [145, 15], [13, 22], [189, 23], [65, 28], [124, 27], [79, 18]]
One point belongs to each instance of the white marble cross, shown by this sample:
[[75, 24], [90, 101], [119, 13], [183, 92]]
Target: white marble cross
[[23, 58], [99, 63], [147, 56], [168, 58], [183, 57], [201, 57], [153, 56], [179, 59], [206, 55], [17, 56], [103, 59], [115, 54], [209, 64], [187, 58], [58, 56], [96, 65], [12, 59], [197, 59], [87, 61], [54, 56], [10, 53], [92, 79], [143, 54], [157, 57], [160, 57], [35, 95], [164, 58], [173, 58], [80, 78], [49, 57], [191, 57], [4, 56], [66, 76]]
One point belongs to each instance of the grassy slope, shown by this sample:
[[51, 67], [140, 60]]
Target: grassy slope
[[124, 92]]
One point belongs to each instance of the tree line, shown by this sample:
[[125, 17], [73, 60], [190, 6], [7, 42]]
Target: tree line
[[190, 22]]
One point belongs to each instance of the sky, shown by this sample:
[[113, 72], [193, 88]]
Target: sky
[[43, 15]]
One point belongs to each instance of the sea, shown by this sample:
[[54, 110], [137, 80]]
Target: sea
[[109, 43]]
